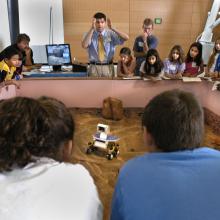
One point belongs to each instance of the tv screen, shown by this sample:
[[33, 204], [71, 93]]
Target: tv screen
[[58, 54]]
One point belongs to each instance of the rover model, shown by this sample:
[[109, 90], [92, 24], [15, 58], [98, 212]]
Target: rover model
[[104, 141]]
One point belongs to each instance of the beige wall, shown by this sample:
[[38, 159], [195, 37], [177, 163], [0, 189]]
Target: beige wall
[[182, 21], [4, 32]]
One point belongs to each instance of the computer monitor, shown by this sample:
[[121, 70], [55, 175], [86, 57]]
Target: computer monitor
[[58, 55]]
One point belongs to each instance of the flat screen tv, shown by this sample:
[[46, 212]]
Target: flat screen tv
[[58, 55]]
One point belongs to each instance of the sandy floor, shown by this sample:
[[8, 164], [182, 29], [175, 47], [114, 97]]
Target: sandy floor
[[129, 130]]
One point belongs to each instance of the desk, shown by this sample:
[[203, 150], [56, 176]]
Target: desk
[[90, 92], [54, 74]]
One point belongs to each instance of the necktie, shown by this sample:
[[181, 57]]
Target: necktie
[[101, 49]]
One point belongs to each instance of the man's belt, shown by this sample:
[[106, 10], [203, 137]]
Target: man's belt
[[99, 63]]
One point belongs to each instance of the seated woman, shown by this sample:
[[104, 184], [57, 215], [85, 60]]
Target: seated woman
[[213, 66], [36, 182], [126, 64], [152, 66], [174, 65]]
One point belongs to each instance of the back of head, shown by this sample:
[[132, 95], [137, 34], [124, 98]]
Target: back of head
[[22, 37], [31, 127], [61, 122], [99, 15], [175, 121]]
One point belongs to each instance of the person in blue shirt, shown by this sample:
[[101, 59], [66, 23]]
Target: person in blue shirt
[[100, 43], [143, 43], [177, 178]]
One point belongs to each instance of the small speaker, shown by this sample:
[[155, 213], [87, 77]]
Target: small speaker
[[57, 68], [79, 67]]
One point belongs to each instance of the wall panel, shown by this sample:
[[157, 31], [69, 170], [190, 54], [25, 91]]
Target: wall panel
[[4, 32], [78, 19], [182, 21]]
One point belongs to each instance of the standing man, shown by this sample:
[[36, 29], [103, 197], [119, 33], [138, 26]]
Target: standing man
[[101, 43], [22, 45], [143, 43]]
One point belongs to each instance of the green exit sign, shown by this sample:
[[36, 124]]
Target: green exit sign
[[157, 20]]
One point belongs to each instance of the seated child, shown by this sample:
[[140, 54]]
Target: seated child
[[174, 65], [194, 62], [213, 66], [8, 74], [152, 66], [126, 64]]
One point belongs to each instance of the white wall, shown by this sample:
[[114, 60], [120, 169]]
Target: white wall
[[35, 18], [4, 26], [34, 21]]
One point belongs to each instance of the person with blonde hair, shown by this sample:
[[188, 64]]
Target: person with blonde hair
[[143, 43], [213, 66]]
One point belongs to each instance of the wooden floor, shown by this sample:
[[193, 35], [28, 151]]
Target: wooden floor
[[129, 130]]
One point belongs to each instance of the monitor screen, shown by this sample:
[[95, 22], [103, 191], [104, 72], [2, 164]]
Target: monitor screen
[[58, 54]]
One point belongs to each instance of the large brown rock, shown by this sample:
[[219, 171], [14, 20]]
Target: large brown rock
[[112, 109], [106, 109]]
